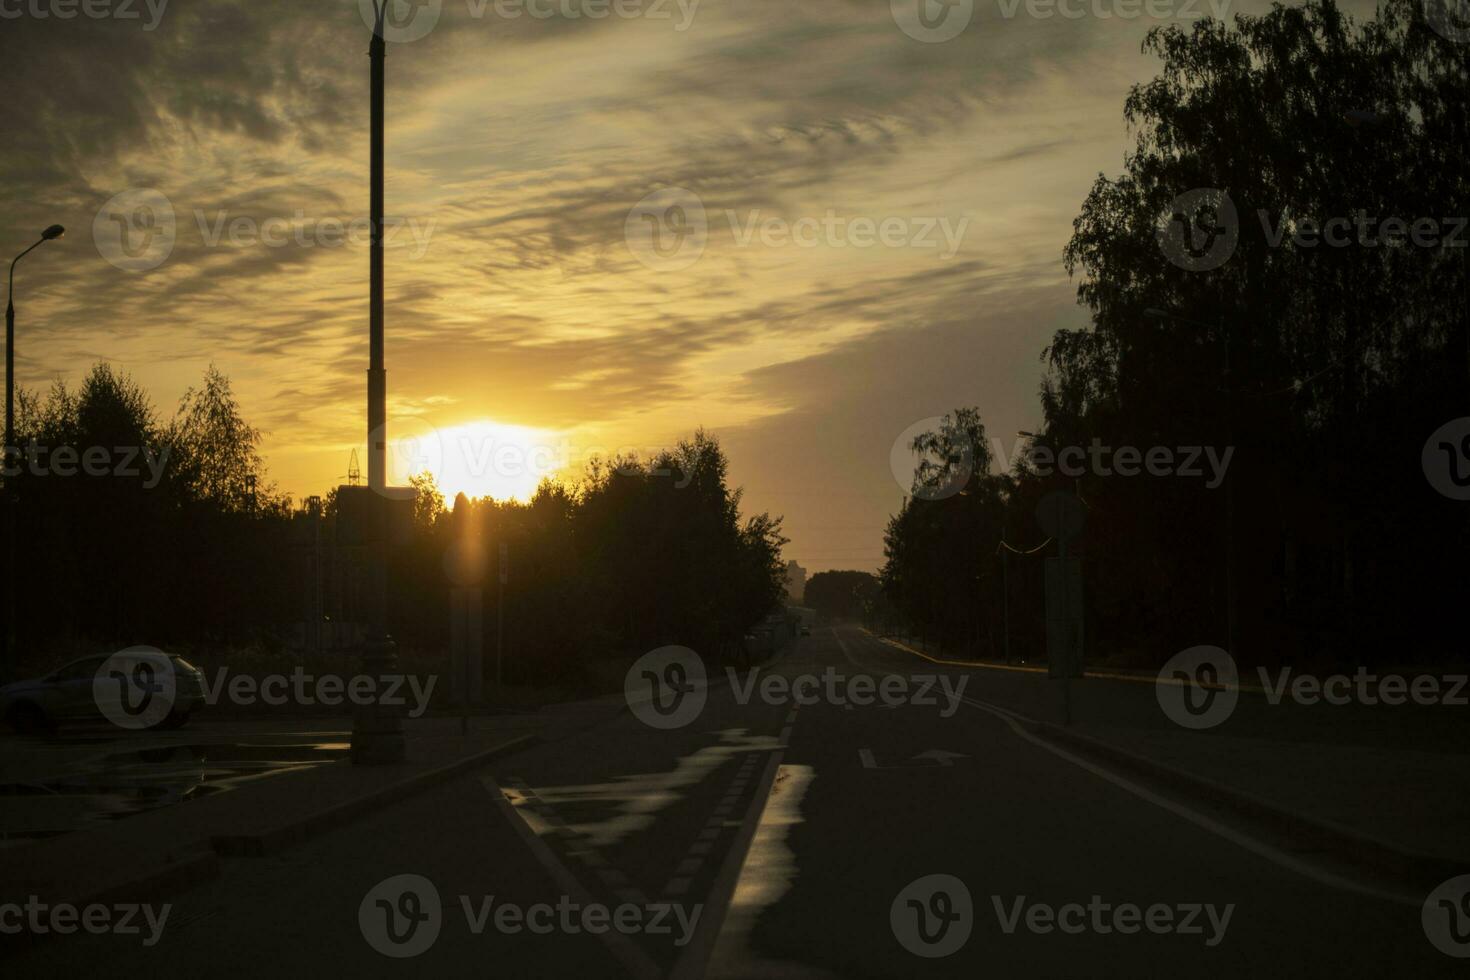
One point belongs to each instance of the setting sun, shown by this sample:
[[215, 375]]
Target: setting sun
[[479, 459]]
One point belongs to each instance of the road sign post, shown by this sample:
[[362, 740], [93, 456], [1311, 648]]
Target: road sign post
[[464, 565], [500, 616], [1061, 516]]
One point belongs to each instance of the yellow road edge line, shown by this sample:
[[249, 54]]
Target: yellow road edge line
[[1093, 674]]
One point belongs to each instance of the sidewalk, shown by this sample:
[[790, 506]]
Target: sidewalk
[[1380, 785], [148, 855]]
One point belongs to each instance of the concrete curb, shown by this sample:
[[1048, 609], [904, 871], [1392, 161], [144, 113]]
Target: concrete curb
[[289, 834], [1422, 871], [193, 868], [202, 863]]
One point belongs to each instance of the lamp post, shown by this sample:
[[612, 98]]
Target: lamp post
[[50, 234], [1157, 313], [377, 728]]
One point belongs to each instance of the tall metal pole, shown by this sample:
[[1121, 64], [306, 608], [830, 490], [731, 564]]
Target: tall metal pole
[[377, 731], [377, 419]]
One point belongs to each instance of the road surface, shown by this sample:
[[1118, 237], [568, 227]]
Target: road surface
[[767, 838]]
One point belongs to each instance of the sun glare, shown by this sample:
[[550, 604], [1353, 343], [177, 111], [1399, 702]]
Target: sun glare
[[479, 459]]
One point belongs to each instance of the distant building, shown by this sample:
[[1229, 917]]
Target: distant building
[[795, 581]]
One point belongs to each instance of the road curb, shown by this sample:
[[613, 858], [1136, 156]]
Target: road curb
[[192, 868], [1423, 871], [293, 833]]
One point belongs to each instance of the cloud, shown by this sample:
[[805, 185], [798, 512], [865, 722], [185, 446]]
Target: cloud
[[518, 146]]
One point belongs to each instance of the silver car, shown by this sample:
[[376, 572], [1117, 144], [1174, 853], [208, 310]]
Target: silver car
[[74, 692]]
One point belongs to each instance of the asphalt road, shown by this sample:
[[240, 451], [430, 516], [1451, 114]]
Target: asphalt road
[[770, 839]]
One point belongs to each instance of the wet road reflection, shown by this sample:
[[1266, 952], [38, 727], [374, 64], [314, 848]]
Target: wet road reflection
[[119, 784]]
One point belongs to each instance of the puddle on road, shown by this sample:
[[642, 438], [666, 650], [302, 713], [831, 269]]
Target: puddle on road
[[120, 784], [642, 795], [766, 876]]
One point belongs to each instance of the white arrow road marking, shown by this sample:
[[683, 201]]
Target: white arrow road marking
[[642, 795], [934, 757], [634, 960]]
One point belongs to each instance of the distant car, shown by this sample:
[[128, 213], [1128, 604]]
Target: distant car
[[806, 630], [67, 694]]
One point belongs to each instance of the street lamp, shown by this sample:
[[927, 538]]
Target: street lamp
[[1157, 313], [50, 234]]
